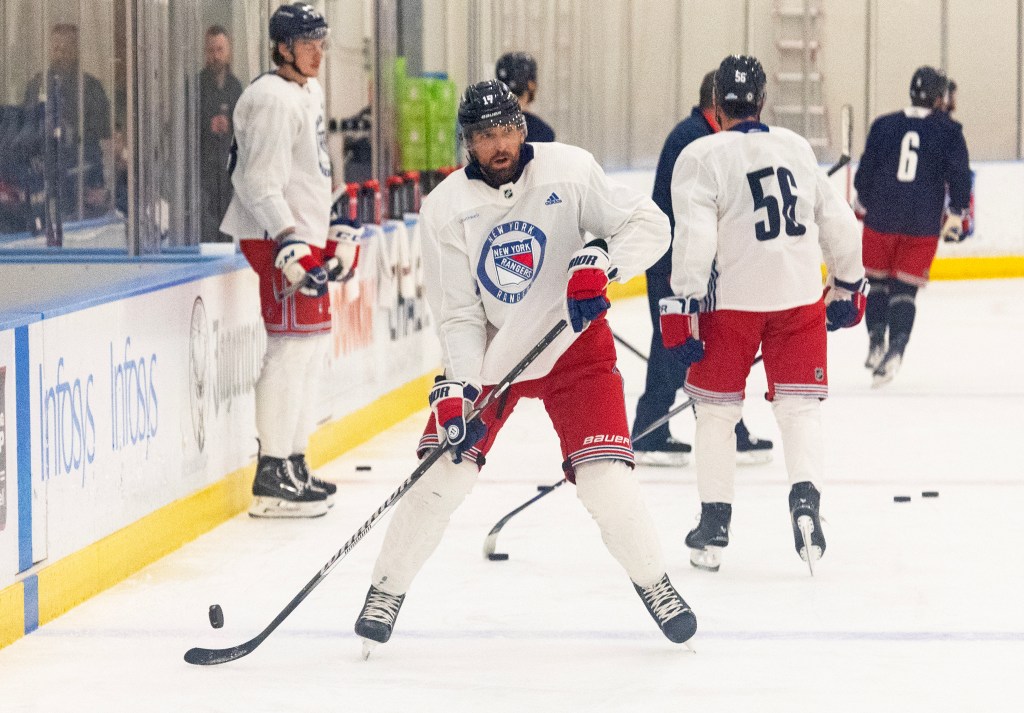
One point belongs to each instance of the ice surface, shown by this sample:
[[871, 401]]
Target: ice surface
[[915, 606]]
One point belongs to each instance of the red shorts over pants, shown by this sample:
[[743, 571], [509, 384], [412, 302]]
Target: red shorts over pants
[[793, 342], [583, 397], [296, 315], [908, 258]]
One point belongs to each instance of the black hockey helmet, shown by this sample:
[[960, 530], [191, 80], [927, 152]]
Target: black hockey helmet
[[487, 104], [927, 85], [517, 70], [740, 84], [298, 21]]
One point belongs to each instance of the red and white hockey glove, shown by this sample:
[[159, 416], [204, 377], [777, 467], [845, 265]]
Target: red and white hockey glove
[[342, 251], [451, 401], [845, 303], [300, 266], [586, 295], [679, 328], [859, 210]]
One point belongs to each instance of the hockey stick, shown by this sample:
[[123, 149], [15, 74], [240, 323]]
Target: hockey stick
[[208, 657], [491, 541], [629, 346], [846, 133]]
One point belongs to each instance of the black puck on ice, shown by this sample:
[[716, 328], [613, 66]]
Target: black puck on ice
[[497, 557], [362, 467], [216, 616], [930, 494], [901, 498]]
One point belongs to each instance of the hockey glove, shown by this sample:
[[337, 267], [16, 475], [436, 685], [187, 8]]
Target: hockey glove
[[342, 251], [451, 401], [845, 303], [296, 260], [859, 211], [679, 331], [588, 281], [953, 228]]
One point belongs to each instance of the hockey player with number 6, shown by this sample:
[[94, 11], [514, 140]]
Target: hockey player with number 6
[[505, 257], [754, 216], [281, 215], [909, 160]]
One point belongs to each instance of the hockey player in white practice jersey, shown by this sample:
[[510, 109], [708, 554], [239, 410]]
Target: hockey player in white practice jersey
[[754, 215], [504, 258], [281, 215]]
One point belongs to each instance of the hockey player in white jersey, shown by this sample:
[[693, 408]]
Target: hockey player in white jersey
[[505, 258], [754, 215], [281, 215]]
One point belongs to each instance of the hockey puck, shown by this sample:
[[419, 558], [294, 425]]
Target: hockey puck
[[216, 616], [497, 557], [901, 498], [362, 467], [930, 494]]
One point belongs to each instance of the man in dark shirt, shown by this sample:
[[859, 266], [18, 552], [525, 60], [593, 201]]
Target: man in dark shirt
[[219, 90], [664, 377], [909, 160], [79, 151], [518, 70]]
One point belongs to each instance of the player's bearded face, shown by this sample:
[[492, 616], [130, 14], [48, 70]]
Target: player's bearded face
[[496, 149]]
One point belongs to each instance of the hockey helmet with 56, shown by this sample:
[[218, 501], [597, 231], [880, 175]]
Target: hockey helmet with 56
[[488, 104], [740, 86]]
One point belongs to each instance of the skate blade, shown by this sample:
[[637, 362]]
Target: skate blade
[[708, 559], [267, 507], [808, 553], [368, 646], [753, 457]]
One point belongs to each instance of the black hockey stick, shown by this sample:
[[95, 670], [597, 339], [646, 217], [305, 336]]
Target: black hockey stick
[[491, 541], [846, 134], [629, 346], [209, 657], [843, 160]]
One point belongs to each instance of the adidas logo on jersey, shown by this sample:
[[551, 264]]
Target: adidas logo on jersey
[[553, 199]]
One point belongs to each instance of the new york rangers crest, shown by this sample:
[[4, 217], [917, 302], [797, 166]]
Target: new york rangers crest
[[510, 260]]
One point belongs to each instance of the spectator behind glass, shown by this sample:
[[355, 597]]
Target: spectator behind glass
[[219, 90], [62, 99]]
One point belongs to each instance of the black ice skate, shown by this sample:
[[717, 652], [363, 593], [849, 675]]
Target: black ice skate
[[277, 492], [876, 348], [710, 536], [751, 450], [672, 614], [804, 500], [305, 475], [886, 370], [377, 619], [668, 453]]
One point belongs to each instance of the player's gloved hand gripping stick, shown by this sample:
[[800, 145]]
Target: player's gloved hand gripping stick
[[208, 657]]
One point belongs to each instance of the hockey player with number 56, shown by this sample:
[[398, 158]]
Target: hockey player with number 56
[[281, 215], [754, 215], [505, 257]]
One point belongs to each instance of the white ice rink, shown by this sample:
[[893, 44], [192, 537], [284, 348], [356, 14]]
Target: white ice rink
[[915, 606]]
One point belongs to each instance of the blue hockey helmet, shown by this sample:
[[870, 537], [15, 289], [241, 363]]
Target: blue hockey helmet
[[517, 70], [298, 21], [487, 104], [927, 85], [740, 84]]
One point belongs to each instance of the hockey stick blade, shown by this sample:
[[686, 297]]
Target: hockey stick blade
[[843, 160], [208, 657], [491, 541]]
